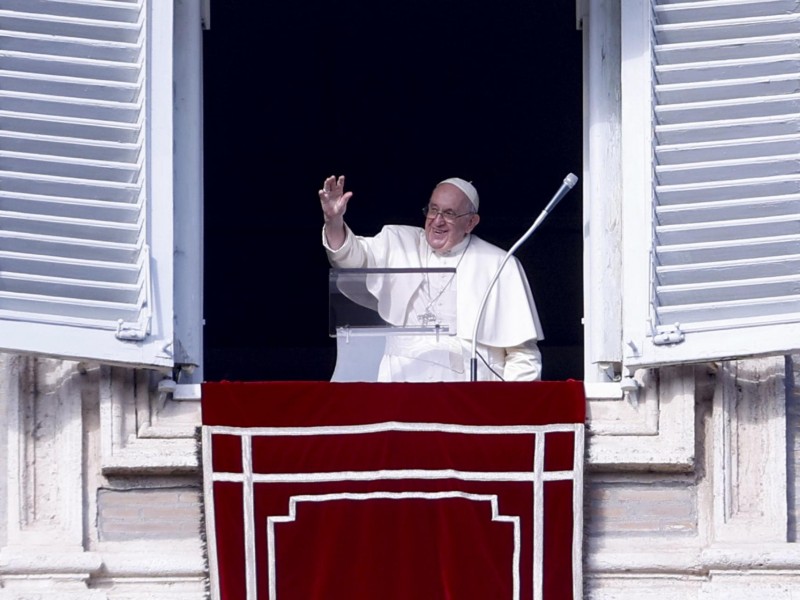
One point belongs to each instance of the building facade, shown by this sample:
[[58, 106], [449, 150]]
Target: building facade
[[691, 212]]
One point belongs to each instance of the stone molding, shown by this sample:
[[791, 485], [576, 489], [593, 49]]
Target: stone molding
[[741, 550], [651, 429], [749, 446], [143, 429], [51, 467]]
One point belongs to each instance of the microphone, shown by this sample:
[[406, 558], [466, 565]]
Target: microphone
[[569, 182]]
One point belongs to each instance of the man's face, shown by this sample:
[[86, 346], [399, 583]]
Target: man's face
[[442, 234]]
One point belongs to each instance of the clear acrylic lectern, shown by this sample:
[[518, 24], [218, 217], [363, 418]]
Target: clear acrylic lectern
[[367, 306]]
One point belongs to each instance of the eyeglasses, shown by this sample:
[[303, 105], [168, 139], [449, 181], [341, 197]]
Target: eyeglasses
[[450, 216]]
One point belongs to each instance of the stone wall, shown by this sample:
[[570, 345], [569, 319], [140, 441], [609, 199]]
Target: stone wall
[[793, 445], [102, 491], [159, 512], [101, 486], [724, 529]]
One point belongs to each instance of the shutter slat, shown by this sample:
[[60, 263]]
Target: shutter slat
[[743, 69], [701, 211], [742, 107], [75, 289], [71, 268], [771, 266], [721, 88], [721, 291], [25, 243], [704, 252], [696, 152], [117, 10], [63, 46], [57, 319], [70, 127], [70, 87], [78, 208], [82, 169], [723, 170], [47, 185], [734, 189], [727, 315], [55, 107], [681, 12], [97, 311], [724, 28], [748, 312], [86, 229], [732, 231], [72, 147], [123, 30], [43, 64], [725, 130], [730, 49]]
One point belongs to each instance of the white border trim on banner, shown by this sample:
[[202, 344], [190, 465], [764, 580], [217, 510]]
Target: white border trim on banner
[[537, 478], [294, 500]]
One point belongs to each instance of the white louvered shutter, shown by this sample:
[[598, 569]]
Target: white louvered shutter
[[711, 177], [86, 179]]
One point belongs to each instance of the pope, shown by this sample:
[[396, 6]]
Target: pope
[[510, 328]]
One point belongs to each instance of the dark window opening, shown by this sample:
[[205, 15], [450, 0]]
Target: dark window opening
[[396, 97]]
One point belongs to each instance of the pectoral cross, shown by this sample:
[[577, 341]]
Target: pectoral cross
[[428, 319]]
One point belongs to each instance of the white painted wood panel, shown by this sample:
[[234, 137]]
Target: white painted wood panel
[[710, 213], [86, 179]]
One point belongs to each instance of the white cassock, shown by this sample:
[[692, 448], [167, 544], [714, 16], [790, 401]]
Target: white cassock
[[508, 332]]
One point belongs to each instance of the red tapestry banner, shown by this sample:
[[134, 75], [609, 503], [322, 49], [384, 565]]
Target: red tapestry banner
[[361, 491]]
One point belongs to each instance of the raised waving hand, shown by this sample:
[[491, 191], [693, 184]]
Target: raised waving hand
[[334, 201]]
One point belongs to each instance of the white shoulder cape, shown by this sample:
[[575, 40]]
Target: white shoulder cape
[[510, 317]]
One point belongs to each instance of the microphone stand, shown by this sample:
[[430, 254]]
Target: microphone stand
[[569, 182]]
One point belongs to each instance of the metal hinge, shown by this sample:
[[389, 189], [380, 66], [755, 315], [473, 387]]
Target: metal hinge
[[136, 332], [668, 334]]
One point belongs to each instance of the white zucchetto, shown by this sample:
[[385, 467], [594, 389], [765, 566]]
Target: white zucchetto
[[466, 187]]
